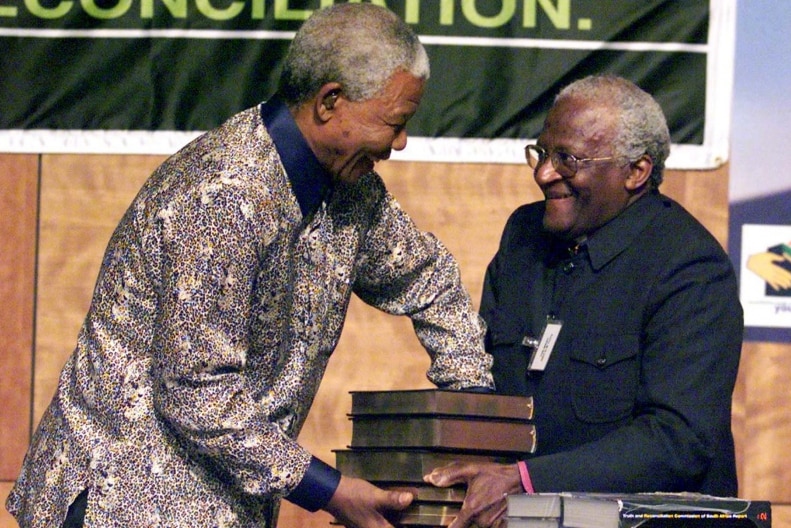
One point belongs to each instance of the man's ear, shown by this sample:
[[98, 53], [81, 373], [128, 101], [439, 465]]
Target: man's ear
[[639, 173], [326, 100]]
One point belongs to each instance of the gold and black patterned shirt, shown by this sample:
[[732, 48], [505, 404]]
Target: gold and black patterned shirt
[[220, 298]]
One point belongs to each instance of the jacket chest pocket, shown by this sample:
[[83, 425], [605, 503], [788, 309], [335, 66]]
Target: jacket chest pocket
[[503, 342], [605, 374]]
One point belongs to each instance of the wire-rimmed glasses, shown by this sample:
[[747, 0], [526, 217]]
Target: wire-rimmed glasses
[[564, 163]]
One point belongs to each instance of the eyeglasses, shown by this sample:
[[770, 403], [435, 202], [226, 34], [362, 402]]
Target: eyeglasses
[[564, 163]]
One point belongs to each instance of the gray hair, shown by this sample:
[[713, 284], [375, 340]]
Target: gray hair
[[642, 127], [359, 46]]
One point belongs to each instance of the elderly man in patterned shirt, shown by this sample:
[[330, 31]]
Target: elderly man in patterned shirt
[[222, 295]]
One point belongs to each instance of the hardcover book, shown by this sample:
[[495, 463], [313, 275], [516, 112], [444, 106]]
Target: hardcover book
[[387, 465], [536, 522], [401, 435], [441, 433], [442, 403], [426, 515], [428, 494], [541, 505], [422, 516]]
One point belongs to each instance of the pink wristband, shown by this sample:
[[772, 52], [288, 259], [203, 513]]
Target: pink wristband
[[524, 476]]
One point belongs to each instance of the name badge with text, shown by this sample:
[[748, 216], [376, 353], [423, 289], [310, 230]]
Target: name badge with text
[[542, 348]]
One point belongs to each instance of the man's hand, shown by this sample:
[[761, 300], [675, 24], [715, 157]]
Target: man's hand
[[487, 485], [357, 503]]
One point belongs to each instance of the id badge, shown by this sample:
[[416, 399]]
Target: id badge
[[543, 346]]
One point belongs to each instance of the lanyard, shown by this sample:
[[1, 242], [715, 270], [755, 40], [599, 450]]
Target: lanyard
[[543, 345]]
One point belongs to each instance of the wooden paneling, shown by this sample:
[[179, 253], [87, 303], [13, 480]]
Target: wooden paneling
[[705, 195], [18, 196], [781, 515], [765, 466]]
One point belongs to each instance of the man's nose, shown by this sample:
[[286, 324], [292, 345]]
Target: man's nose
[[399, 143], [546, 173]]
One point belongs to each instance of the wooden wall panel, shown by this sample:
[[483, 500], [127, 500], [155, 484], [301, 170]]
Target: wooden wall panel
[[18, 215], [705, 195], [765, 466], [781, 515]]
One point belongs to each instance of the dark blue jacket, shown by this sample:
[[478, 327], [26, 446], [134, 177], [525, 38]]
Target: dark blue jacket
[[637, 392]]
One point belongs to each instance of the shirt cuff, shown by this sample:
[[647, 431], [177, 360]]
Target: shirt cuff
[[317, 486], [524, 476]]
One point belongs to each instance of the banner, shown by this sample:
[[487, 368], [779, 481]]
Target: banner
[[145, 76], [759, 233]]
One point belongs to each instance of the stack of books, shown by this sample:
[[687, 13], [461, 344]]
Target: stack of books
[[646, 510], [400, 436]]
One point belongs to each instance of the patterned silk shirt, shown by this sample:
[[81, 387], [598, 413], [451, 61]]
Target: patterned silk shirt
[[220, 299]]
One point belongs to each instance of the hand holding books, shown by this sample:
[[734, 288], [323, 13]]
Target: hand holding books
[[487, 484], [400, 439]]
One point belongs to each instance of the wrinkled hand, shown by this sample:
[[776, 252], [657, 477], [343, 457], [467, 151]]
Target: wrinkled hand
[[487, 485], [357, 503]]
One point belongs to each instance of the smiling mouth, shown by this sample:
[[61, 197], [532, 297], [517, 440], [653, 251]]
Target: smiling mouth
[[558, 191], [558, 195]]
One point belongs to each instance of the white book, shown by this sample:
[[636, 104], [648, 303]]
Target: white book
[[535, 505]]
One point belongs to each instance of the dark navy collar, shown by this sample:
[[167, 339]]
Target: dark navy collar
[[611, 239], [619, 233], [311, 183]]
